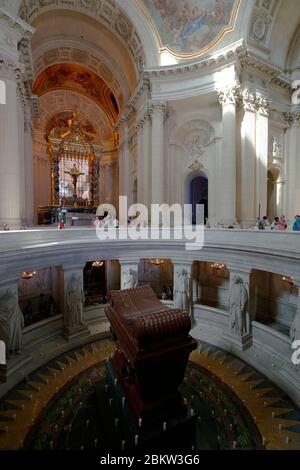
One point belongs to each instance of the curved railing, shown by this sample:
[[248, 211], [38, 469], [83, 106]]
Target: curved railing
[[274, 252]]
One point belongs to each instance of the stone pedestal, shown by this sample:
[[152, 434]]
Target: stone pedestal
[[76, 332], [241, 342]]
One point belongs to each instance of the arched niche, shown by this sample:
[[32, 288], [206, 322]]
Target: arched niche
[[192, 154], [196, 192]]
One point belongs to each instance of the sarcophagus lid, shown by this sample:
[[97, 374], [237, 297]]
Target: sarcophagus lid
[[141, 322]]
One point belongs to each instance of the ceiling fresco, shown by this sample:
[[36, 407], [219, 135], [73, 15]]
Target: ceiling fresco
[[76, 78], [191, 27]]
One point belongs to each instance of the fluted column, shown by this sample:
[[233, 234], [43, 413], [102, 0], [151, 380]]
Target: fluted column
[[293, 165], [158, 112], [10, 206], [28, 164], [228, 99], [262, 150], [125, 165], [247, 176], [108, 182], [139, 163], [13, 74], [146, 178]]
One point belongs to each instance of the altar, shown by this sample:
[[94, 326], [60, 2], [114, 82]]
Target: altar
[[73, 216], [75, 164]]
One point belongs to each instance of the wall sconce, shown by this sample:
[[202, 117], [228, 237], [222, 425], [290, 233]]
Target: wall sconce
[[28, 274], [156, 261], [217, 266], [289, 280], [97, 264]]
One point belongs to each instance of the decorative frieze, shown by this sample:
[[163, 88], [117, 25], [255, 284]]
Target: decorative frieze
[[254, 101], [292, 119]]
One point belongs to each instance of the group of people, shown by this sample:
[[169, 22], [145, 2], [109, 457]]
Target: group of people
[[278, 224]]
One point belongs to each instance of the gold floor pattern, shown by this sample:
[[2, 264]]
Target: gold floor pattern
[[16, 422]]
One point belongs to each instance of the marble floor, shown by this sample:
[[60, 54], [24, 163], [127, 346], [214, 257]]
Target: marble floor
[[236, 407]]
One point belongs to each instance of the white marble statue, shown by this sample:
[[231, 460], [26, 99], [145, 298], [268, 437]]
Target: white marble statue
[[181, 294], [74, 302], [129, 279], [295, 327], [11, 322], [238, 299]]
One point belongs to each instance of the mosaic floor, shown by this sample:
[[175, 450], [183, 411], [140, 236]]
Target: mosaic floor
[[236, 407]]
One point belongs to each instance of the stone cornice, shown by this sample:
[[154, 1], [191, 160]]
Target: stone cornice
[[41, 248], [18, 26], [239, 53]]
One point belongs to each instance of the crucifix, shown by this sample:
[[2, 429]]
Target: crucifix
[[74, 172]]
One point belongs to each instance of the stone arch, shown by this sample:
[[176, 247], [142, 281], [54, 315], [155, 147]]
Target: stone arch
[[63, 100], [70, 52], [193, 154], [106, 12], [268, 18]]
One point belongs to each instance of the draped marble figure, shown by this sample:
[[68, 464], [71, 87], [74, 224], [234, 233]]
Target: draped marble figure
[[181, 294], [238, 299], [295, 327], [11, 322], [129, 280], [74, 302]]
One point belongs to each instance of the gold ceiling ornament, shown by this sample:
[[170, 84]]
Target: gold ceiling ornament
[[28, 274]]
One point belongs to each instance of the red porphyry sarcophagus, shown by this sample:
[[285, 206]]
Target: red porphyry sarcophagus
[[152, 354]]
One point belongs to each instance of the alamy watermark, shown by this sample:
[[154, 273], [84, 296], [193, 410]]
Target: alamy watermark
[[167, 223]]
